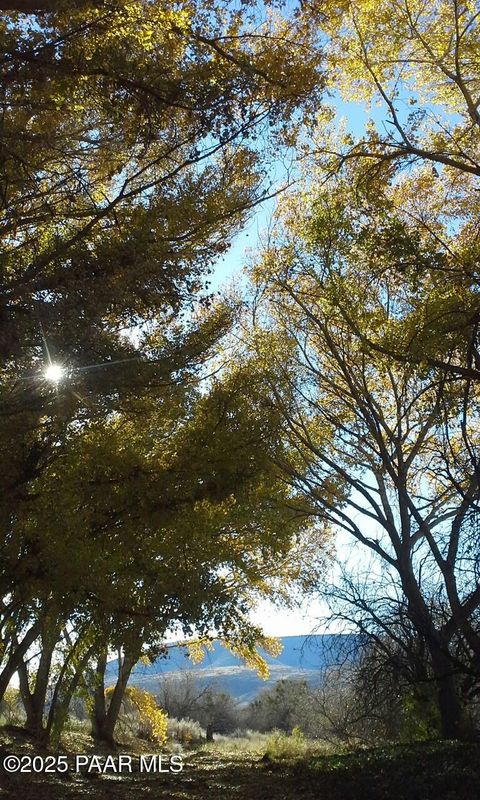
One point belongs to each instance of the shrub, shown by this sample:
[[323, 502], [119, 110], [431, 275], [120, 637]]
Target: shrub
[[241, 742], [185, 731], [75, 725], [11, 709], [142, 715], [282, 745]]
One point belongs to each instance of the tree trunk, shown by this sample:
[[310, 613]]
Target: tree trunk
[[16, 656], [32, 706], [62, 696], [27, 6], [41, 6], [104, 720], [452, 719], [99, 711], [35, 701]]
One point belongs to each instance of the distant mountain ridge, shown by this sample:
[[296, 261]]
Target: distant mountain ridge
[[302, 658]]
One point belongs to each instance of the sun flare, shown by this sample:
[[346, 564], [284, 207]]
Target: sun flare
[[54, 373]]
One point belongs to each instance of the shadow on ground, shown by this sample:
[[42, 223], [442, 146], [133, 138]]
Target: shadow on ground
[[446, 771]]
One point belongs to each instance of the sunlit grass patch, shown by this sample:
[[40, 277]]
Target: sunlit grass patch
[[247, 742]]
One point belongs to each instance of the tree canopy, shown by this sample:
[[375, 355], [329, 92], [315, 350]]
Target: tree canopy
[[185, 455]]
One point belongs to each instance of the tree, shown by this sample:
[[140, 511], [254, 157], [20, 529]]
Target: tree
[[177, 517], [39, 577], [390, 691], [125, 131], [217, 713], [416, 63], [283, 707], [180, 694], [386, 450], [134, 141], [185, 697], [152, 720]]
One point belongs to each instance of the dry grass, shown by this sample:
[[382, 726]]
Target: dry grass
[[239, 768]]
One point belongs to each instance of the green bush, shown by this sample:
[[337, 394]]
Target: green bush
[[287, 746], [421, 718], [11, 709]]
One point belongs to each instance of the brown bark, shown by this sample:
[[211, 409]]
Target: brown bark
[[39, 6], [452, 719], [16, 657], [454, 724], [62, 695], [99, 712], [104, 720], [34, 701], [27, 6]]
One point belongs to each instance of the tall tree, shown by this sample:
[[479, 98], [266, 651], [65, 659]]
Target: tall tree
[[131, 150], [178, 518], [418, 61], [411, 72], [134, 139], [386, 450]]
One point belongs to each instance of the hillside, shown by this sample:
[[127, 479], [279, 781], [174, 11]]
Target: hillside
[[302, 658]]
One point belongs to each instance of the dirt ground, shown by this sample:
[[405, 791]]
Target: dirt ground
[[442, 771]]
